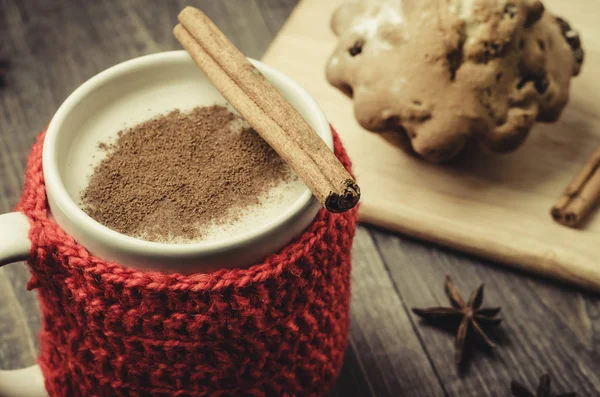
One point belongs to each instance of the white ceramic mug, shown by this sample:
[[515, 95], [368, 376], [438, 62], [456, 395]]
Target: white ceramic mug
[[125, 95]]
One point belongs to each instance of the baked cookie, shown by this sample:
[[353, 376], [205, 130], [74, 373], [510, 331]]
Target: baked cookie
[[438, 73]]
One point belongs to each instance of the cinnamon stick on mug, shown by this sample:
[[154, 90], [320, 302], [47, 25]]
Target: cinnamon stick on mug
[[267, 111], [581, 196]]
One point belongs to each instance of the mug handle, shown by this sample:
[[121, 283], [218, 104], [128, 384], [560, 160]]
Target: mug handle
[[14, 247]]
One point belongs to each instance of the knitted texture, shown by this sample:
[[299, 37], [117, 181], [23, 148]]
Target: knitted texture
[[278, 328]]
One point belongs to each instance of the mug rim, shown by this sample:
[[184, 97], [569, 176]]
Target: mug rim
[[58, 194]]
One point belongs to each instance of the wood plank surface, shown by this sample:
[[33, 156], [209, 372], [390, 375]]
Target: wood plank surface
[[493, 206], [55, 45], [547, 327]]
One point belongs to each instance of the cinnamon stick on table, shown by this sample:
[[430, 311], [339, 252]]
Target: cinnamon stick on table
[[267, 111], [581, 196]]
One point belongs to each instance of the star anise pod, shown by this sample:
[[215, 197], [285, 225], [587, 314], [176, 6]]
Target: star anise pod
[[543, 390], [469, 317]]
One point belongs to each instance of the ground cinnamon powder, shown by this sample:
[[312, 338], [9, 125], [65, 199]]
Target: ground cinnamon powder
[[168, 178]]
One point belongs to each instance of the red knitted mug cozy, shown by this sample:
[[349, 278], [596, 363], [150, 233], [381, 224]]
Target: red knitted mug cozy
[[278, 328]]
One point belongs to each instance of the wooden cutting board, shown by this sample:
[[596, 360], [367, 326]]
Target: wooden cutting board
[[493, 206]]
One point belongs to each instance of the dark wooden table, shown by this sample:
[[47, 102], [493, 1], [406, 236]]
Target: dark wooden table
[[55, 45]]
